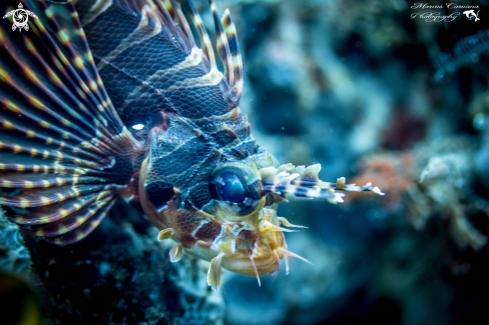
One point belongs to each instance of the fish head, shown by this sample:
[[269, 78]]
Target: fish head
[[222, 208], [251, 236]]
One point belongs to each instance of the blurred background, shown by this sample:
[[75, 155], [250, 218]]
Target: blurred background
[[373, 95]]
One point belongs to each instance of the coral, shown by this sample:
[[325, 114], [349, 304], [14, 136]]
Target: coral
[[431, 181], [14, 257], [121, 274], [390, 171]]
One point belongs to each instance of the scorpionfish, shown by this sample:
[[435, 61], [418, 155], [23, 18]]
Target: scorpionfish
[[107, 100]]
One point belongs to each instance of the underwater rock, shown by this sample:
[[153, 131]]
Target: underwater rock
[[120, 274], [14, 256], [432, 181], [19, 303]]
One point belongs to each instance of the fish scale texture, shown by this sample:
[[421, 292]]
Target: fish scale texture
[[208, 231], [143, 62]]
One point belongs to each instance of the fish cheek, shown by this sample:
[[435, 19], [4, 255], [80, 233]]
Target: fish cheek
[[154, 195], [208, 232], [159, 193]]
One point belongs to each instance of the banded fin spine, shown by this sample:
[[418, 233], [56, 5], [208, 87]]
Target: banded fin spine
[[183, 21], [65, 156], [222, 45], [201, 30], [230, 30]]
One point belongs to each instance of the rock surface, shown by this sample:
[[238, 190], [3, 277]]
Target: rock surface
[[120, 274]]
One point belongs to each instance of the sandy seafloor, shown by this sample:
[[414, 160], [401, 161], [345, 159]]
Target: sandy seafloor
[[369, 93]]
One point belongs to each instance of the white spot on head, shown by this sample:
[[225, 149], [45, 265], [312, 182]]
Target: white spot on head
[[138, 127]]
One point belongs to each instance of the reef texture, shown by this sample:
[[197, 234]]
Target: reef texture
[[120, 274], [371, 94], [14, 256]]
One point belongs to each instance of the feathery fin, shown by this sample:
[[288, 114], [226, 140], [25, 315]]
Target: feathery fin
[[64, 151]]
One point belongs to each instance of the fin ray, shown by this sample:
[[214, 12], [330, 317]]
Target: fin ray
[[231, 34], [54, 212], [222, 44], [64, 225], [65, 155], [82, 231]]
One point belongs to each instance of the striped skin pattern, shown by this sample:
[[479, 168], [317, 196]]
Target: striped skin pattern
[[122, 99]]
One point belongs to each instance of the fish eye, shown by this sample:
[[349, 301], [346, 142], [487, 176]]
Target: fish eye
[[236, 187], [230, 188]]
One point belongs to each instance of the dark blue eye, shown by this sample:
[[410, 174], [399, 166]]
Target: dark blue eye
[[232, 189], [236, 187]]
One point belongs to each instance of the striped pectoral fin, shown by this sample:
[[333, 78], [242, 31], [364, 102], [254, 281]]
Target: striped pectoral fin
[[62, 215], [82, 230], [33, 180], [28, 198], [64, 21], [68, 213], [54, 212], [61, 57], [70, 222], [65, 155]]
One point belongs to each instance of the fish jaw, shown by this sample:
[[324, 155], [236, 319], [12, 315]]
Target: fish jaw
[[255, 252], [265, 265]]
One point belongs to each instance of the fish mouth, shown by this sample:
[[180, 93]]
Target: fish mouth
[[247, 265], [261, 250], [258, 266]]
